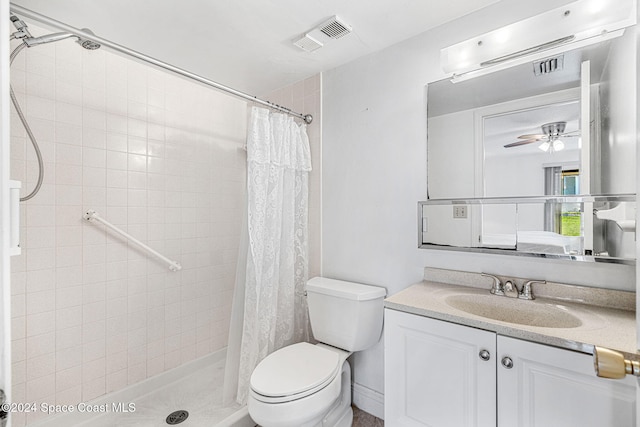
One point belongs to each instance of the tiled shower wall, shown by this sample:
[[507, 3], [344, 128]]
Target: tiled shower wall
[[157, 155]]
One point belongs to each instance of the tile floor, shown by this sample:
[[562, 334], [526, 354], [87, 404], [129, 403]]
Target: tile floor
[[364, 419]]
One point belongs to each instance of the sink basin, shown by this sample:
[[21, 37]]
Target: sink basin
[[512, 310]]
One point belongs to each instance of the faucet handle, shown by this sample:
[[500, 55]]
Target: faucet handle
[[497, 288], [527, 291]]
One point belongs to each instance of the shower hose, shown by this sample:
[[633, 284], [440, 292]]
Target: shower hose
[[32, 137]]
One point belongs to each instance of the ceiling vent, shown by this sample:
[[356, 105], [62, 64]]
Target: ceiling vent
[[307, 43], [324, 33], [335, 28], [549, 65]]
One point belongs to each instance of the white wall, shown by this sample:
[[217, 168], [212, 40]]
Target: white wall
[[374, 172]]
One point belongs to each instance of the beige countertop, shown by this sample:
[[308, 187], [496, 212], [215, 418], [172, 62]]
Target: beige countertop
[[602, 326]]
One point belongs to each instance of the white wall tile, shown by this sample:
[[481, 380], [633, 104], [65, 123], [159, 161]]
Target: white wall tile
[[68, 338], [39, 345], [68, 113], [40, 302], [91, 312], [94, 388], [41, 323]]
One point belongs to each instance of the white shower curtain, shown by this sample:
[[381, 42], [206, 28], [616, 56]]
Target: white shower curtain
[[275, 311]]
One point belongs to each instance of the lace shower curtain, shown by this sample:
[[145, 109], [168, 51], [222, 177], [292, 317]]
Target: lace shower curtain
[[275, 311]]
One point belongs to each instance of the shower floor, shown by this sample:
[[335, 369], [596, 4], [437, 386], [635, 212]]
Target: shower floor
[[199, 393], [196, 388]]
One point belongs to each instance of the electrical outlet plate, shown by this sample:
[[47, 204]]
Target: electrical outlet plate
[[459, 211]]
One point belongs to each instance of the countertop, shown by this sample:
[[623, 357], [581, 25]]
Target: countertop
[[602, 326]]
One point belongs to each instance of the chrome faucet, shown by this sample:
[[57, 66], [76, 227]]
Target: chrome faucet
[[510, 289], [527, 291], [497, 288]]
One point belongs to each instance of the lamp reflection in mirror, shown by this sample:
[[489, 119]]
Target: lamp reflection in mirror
[[554, 145]]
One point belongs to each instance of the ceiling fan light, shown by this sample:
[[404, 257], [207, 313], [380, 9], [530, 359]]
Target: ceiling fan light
[[544, 146], [558, 145]]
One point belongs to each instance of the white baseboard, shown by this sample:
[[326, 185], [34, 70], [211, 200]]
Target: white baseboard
[[368, 400]]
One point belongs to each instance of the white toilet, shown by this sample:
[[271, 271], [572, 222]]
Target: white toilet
[[306, 385]]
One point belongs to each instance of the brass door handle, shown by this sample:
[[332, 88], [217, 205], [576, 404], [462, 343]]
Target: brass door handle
[[612, 364]]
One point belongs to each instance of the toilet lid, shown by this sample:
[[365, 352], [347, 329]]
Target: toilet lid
[[295, 369]]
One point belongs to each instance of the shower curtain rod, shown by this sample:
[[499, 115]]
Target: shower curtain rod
[[308, 118]]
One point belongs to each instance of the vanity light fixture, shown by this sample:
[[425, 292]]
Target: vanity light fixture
[[577, 24]]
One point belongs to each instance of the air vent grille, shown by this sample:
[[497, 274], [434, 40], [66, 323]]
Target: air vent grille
[[335, 28], [330, 30], [307, 43], [549, 65]]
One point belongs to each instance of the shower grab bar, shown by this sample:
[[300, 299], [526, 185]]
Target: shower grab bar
[[93, 217], [308, 118]]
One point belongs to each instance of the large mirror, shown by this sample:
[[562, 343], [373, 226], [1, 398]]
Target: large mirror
[[554, 130]]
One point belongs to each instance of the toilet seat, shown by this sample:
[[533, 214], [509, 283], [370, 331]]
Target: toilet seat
[[294, 372]]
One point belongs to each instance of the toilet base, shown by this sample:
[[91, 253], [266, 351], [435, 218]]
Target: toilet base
[[341, 413], [343, 421]]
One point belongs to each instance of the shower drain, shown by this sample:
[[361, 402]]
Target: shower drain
[[176, 417]]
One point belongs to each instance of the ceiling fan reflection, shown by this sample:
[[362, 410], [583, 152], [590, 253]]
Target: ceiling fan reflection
[[550, 137]]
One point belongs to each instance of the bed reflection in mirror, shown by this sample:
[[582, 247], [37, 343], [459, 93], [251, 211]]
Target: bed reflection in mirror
[[523, 227]]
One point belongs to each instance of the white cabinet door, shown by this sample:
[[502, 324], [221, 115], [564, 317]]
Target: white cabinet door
[[434, 375], [548, 386]]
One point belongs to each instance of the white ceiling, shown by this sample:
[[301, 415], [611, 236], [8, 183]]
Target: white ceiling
[[247, 44]]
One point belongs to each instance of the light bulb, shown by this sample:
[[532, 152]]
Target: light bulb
[[558, 145], [544, 146]]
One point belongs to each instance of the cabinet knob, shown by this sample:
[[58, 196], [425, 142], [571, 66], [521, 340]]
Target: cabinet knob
[[507, 362], [484, 355]]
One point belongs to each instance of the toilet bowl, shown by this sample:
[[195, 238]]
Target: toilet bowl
[[299, 385], [306, 385]]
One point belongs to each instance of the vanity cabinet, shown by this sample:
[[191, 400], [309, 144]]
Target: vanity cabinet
[[434, 373], [549, 386], [442, 374]]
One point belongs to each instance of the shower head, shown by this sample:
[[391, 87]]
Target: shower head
[[18, 23], [50, 38], [87, 43]]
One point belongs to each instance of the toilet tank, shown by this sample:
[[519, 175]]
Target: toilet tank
[[343, 314]]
